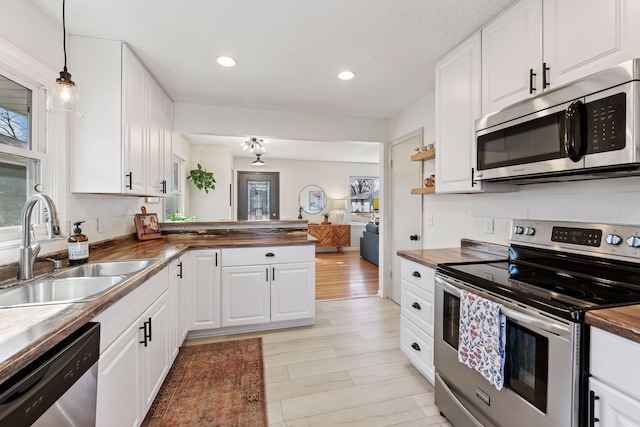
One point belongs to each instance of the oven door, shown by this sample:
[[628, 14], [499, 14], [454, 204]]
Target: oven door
[[541, 368]]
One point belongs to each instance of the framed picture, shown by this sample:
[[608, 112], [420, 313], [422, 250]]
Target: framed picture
[[316, 200], [147, 225]]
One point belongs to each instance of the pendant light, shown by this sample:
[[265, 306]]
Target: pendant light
[[258, 161], [64, 98]]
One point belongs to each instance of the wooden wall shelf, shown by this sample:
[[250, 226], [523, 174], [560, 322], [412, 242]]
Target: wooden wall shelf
[[423, 190], [425, 155]]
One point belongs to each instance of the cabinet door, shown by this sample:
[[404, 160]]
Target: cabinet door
[[177, 311], [204, 266], [246, 295], [457, 108], [293, 291], [613, 408], [166, 127], [155, 355], [155, 149], [119, 401], [584, 36], [512, 56], [134, 88]]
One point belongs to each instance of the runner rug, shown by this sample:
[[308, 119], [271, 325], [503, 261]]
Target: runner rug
[[219, 384]]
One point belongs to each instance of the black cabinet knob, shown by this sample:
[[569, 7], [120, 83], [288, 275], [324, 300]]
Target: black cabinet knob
[[416, 274], [413, 237], [416, 306], [415, 346]]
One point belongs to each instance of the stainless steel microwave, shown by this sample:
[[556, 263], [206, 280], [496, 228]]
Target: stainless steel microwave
[[585, 129]]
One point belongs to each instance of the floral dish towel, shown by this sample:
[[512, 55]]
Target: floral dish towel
[[482, 337]]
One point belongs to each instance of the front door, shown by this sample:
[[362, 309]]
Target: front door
[[258, 196]]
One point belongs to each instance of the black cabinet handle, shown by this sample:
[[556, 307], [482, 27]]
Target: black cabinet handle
[[415, 346], [273, 273], [216, 259], [130, 185], [416, 306], [416, 274], [164, 186], [473, 181], [592, 403], [270, 254], [180, 269], [531, 80], [545, 81], [146, 327], [413, 237], [266, 276], [150, 337]]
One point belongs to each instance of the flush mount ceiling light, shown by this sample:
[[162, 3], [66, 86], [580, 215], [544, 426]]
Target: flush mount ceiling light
[[64, 98], [226, 61], [254, 144], [258, 161], [346, 75]]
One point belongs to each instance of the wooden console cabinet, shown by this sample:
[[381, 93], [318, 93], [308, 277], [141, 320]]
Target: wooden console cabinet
[[331, 235]]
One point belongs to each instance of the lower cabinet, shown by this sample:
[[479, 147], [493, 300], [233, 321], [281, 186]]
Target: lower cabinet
[[179, 304], [203, 277], [281, 290], [134, 365], [614, 397], [417, 316]]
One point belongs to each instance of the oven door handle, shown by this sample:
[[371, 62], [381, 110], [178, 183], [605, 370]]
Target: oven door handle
[[520, 317]]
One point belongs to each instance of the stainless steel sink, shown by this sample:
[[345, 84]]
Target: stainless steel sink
[[58, 290], [106, 268]]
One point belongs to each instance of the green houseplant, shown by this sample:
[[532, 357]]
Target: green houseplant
[[202, 179]]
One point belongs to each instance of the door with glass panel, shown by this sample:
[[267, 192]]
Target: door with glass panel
[[258, 196]]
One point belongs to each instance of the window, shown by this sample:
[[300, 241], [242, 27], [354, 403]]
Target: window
[[21, 152], [173, 202], [365, 194]]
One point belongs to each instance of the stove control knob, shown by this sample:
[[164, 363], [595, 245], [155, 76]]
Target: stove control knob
[[633, 241], [529, 231], [614, 239], [517, 230]]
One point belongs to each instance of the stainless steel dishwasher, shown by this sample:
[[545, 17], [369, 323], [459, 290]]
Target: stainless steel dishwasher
[[59, 388]]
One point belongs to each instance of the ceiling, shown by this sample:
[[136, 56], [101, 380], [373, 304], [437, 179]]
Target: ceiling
[[288, 52]]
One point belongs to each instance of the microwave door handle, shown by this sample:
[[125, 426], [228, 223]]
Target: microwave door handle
[[575, 130]]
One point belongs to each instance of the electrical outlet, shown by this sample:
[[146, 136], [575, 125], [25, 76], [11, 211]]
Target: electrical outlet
[[488, 226], [100, 225], [430, 220]]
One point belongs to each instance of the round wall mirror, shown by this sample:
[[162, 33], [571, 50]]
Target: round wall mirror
[[312, 199]]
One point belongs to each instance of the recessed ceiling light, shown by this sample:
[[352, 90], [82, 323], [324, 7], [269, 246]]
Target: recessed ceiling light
[[226, 61], [346, 75]]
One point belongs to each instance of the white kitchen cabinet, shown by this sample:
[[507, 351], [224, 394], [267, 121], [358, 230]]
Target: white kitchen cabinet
[[544, 44], [512, 56], [613, 381], [267, 284], [134, 353], [457, 108], [121, 145], [417, 315], [179, 299], [204, 281]]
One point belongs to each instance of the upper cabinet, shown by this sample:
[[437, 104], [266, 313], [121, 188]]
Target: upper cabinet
[[123, 144], [538, 45], [457, 108]]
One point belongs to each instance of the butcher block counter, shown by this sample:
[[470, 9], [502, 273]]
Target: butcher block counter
[[623, 321], [469, 251], [27, 332]]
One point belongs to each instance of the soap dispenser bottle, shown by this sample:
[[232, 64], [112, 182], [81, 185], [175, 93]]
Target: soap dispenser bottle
[[78, 246]]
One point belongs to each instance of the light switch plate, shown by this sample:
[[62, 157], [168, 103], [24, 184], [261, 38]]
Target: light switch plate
[[488, 226]]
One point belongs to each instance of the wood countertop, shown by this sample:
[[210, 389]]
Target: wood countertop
[[27, 332], [469, 251], [623, 321]]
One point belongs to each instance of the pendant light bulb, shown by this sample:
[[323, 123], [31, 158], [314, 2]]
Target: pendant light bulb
[[64, 97], [258, 161]]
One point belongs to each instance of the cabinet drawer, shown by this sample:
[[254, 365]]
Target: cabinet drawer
[[418, 346], [614, 360], [418, 274], [267, 255], [417, 306]]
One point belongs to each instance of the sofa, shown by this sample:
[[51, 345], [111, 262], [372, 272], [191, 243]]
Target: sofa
[[369, 246]]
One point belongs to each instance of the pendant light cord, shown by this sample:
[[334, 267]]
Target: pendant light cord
[[64, 37]]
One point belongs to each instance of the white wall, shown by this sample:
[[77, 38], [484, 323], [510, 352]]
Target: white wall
[[461, 215], [332, 177], [212, 206]]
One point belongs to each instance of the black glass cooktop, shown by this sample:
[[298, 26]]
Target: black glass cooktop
[[556, 283]]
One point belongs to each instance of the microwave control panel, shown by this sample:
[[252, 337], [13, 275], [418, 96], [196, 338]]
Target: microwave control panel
[[606, 124]]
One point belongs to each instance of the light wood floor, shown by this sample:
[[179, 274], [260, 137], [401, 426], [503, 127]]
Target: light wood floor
[[346, 369], [344, 275]]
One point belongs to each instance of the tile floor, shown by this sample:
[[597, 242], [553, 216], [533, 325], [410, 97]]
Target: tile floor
[[347, 369]]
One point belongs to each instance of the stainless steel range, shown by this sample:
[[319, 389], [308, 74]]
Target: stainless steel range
[[556, 271]]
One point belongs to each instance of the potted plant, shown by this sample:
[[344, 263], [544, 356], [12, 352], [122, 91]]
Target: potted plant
[[202, 179], [326, 218]]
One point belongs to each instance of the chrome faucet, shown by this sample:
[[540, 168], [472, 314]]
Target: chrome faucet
[[30, 246]]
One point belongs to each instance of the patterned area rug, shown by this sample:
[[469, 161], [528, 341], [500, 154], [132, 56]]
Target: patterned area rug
[[214, 385]]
